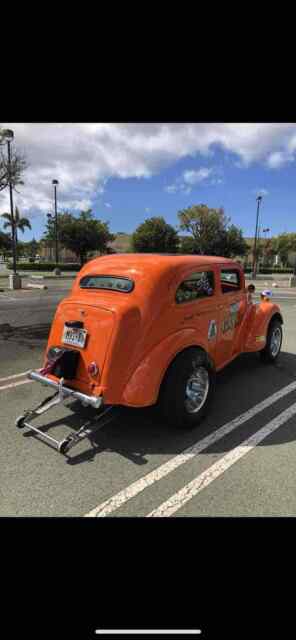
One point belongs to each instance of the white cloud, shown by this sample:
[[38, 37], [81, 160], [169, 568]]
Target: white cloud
[[279, 158], [84, 156], [188, 179], [193, 177], [108, 205], [171, 188]]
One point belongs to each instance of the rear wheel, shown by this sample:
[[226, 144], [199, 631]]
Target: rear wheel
[[187, 389], [273, 342]]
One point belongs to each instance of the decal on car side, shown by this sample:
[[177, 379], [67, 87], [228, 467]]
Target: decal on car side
[[232, 320]]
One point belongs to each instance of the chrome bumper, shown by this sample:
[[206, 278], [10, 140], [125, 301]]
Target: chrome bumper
[[94, 401]]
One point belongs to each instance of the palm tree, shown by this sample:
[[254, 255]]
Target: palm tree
[[20, 223]]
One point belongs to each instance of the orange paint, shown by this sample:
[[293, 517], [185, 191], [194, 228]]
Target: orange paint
[[133, 336]]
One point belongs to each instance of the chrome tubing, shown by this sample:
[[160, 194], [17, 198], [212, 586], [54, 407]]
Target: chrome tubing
[[94, 401]]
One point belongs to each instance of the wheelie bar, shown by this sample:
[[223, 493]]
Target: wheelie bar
[[88, 429]]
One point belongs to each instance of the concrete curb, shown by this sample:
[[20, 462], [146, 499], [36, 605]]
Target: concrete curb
[[46, 277], [32, 285]]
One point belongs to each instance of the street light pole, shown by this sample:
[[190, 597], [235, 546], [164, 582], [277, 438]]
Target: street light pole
[[8, 135], [55, 183], [259, 198], [13, 234]]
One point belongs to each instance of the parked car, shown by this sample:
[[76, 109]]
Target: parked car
[[145, 329]]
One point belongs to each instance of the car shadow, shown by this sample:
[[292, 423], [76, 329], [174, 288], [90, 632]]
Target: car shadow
[[137, 433]]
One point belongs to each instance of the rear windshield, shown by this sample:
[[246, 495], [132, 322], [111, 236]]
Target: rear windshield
[[113, 283]]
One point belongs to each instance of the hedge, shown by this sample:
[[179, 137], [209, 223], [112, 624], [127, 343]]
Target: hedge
[[45, 266], [270, 271]]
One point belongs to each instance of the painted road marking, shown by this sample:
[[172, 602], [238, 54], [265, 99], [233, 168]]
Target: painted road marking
[[148, 631], [15, 384], [116, 501], [15, 375], [175, 502]]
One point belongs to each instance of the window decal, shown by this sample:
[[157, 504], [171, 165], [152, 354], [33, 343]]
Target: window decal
[[212, 332]]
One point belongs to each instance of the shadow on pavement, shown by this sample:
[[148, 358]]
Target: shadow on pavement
[[29, 332], [136, 433]]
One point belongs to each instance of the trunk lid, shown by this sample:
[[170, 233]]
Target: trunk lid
[[98, 321]]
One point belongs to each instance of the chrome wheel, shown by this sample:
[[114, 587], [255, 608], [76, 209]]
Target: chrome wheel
[[275, 342], [197, 389]]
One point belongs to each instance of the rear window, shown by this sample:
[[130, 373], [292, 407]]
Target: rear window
[[113, 283]]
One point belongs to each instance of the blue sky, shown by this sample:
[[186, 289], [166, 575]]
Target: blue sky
[[126, 173]]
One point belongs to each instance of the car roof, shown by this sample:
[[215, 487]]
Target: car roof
[[136, 260], [147, 267]]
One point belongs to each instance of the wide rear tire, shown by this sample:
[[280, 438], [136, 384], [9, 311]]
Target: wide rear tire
[[187, 389]]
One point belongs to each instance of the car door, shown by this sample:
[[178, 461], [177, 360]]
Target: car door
[[232, 309], [196, 305]]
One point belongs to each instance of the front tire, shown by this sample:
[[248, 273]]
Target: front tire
[[274, 340], [187, 389]]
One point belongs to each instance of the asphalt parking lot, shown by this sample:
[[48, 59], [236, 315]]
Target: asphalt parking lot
[[240, 462]]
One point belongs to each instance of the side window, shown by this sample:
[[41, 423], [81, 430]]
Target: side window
[[230, 280], [197, 285]]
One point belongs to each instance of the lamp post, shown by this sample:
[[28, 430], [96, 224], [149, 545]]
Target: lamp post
[[8, 136], [55, 183], [259, 198]]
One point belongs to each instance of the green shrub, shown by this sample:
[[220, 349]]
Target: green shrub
[[45, 266], [269, 270]]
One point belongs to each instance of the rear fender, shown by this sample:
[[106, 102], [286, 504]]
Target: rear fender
[[143, 387], [260, 320]]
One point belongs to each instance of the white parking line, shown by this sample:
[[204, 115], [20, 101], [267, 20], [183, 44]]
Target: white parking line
[[116, 501], [175, 502], [15, 384], [15, 375]]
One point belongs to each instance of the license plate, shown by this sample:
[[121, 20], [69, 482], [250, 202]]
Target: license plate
[[76, 337]]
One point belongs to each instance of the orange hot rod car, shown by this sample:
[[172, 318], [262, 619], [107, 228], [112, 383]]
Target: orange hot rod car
[[145, 329]]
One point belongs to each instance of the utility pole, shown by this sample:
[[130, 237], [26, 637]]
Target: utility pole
[[259, 198], [14, 279], [55, 183]]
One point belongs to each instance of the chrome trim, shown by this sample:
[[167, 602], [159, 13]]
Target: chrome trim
[[93, 401], [197, 389]]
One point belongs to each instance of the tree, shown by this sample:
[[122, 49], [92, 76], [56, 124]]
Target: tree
[[211, 232], [283, 245], [235, 244], [187, 245], [5, 243], [155, 236], [13, 173], [269, 250], [20, 223], [84, 234], [31, 248]]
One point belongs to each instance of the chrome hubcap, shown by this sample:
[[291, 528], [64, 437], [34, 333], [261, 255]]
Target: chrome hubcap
[[275, 343], [197, 389]]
